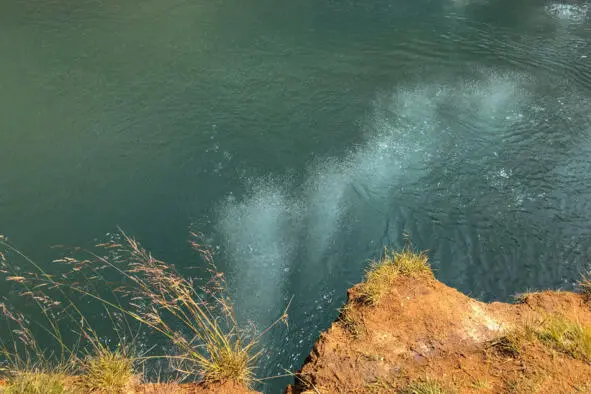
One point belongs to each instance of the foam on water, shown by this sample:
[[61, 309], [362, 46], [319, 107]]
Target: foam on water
[[484, 172], [476, 170], [575, 12], [282, 232], [260, 235]]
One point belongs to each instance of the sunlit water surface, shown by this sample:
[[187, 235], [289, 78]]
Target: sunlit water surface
[[302, 138]]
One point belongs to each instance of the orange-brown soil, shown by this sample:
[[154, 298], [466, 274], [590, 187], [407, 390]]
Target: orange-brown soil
[[424, 330], [192, 388]]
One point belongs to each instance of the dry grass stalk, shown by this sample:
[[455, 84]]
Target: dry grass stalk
[[210, 343], [197, 318]]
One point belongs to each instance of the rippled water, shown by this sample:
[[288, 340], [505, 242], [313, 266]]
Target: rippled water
[[302, 138]]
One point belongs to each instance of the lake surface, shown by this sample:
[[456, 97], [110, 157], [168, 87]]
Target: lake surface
[[302, 137]]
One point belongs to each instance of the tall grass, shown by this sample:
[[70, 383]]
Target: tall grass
[[127, 281], [199, 321], [31, 365]]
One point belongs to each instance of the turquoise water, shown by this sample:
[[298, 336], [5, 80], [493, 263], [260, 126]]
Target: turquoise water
[[302, 138]]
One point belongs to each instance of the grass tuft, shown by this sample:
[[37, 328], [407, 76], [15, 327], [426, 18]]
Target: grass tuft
[[567, 337], [380, 385], [108, 372], [37, 382], [229, 362], [350, 322], [481, 384], [427, 386], [381, 274], [195, 315], [521, 298], [584, 286], [199, 321], [510, 344], [555, 331]]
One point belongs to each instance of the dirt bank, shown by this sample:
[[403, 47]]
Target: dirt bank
[[403, 331], [425, 335], [189, 388]]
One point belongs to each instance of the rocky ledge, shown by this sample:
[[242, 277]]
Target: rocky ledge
[[422, 336]]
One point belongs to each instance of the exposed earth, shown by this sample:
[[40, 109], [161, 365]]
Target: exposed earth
[[423, 337], [425, 334]]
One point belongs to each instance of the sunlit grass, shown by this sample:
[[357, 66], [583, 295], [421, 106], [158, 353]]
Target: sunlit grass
[[380, 385], [211, 345], [584, 286], [350, 322], [37, 382], [108, 372], [521, 298], [229, 362], [425, 386], [512, 342], [197, 319], [381, 274], [481, 384], [566, 336], [554, 331]]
